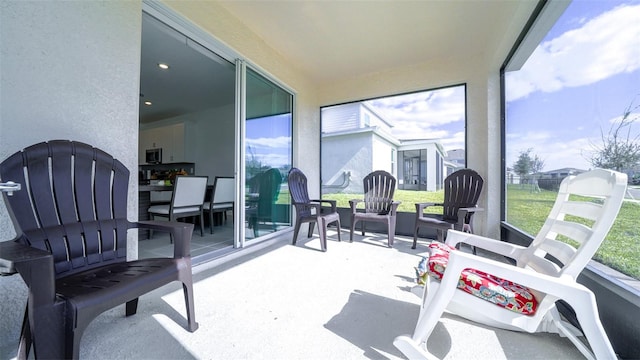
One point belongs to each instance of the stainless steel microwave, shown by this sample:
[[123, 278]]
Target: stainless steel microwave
[[154, 156]]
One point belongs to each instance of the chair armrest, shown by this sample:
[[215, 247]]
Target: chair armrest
[[463, 213], [354, 203], [394, 207], [34, 265], [421, 206], [14, 254], [503, 248], [332, 203], [181, 233]]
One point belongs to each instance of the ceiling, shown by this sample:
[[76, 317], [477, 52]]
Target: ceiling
[[326, 40], [196, 80]]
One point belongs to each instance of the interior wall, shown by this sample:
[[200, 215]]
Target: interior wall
[[69, 70], [209, 140], [214, 148]]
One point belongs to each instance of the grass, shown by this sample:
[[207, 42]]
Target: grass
[[407, 198], [621, 248], [528, 211]]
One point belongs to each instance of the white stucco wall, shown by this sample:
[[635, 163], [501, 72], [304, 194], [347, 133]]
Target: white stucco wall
[[69, 70], [381, 152]]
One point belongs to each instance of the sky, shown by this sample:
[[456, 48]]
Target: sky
[[577, 83], [434, 114], [269, 140]]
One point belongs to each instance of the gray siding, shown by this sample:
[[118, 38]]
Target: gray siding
[[341, 118]]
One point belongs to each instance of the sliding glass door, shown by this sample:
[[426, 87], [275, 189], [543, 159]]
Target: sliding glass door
[[267, 155]]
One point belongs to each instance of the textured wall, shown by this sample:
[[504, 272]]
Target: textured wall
[[69, 70]]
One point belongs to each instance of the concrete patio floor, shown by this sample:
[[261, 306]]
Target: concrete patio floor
[[296, 302]]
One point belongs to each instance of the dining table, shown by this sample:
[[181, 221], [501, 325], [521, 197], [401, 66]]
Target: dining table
[[144, 202]]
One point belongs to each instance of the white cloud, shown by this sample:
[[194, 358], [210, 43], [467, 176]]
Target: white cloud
[[422, 115], [270, 143], [555, 154], [606, 45]]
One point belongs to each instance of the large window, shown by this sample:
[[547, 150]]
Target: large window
[[418, 137], [572, 104]]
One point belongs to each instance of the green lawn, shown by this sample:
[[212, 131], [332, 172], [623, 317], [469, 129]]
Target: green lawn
[[621, 248], [528, 211]]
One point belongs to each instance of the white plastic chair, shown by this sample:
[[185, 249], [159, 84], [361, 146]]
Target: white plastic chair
[[222, 198], [600, 194], [186, 201]]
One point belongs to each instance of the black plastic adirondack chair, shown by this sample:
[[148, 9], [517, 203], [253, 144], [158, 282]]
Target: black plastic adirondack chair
[[71, 246], [263, 207], [310, 210], [461, 193], [379, 206]]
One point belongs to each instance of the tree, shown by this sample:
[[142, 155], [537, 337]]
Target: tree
[[527, 164], [522, 166], [620, 149]]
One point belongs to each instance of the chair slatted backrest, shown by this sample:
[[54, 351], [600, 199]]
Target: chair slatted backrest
[[461, 190], [73, 203], [297, 182], [581, 217], [379, 187]]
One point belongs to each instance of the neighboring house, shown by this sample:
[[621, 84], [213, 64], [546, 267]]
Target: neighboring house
[[561, 173], [356, 141], [457, 159]]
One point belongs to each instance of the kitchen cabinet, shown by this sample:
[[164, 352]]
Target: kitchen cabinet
[[170, 138]]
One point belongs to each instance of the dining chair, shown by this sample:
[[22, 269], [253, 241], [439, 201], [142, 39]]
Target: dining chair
[[187, 200], [222, 198]]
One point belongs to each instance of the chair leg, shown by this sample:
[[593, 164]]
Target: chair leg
[[201, 224], [211, 221], [339, 231], [131, 307], [415, 237], [391, 232], [322, 232], [295, 231], [187, 286], [353, 225], [24, 346], [311, 226], [584, 304]]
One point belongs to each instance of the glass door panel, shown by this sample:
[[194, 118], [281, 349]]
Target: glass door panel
[[268, 156]]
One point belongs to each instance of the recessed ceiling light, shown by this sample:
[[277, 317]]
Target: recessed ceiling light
[[163, 66], [148, 103]]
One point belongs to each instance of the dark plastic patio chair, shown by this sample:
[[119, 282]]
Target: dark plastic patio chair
[[379, 206], [461, 193], [262, 206], [310, 211], [71, 246]]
